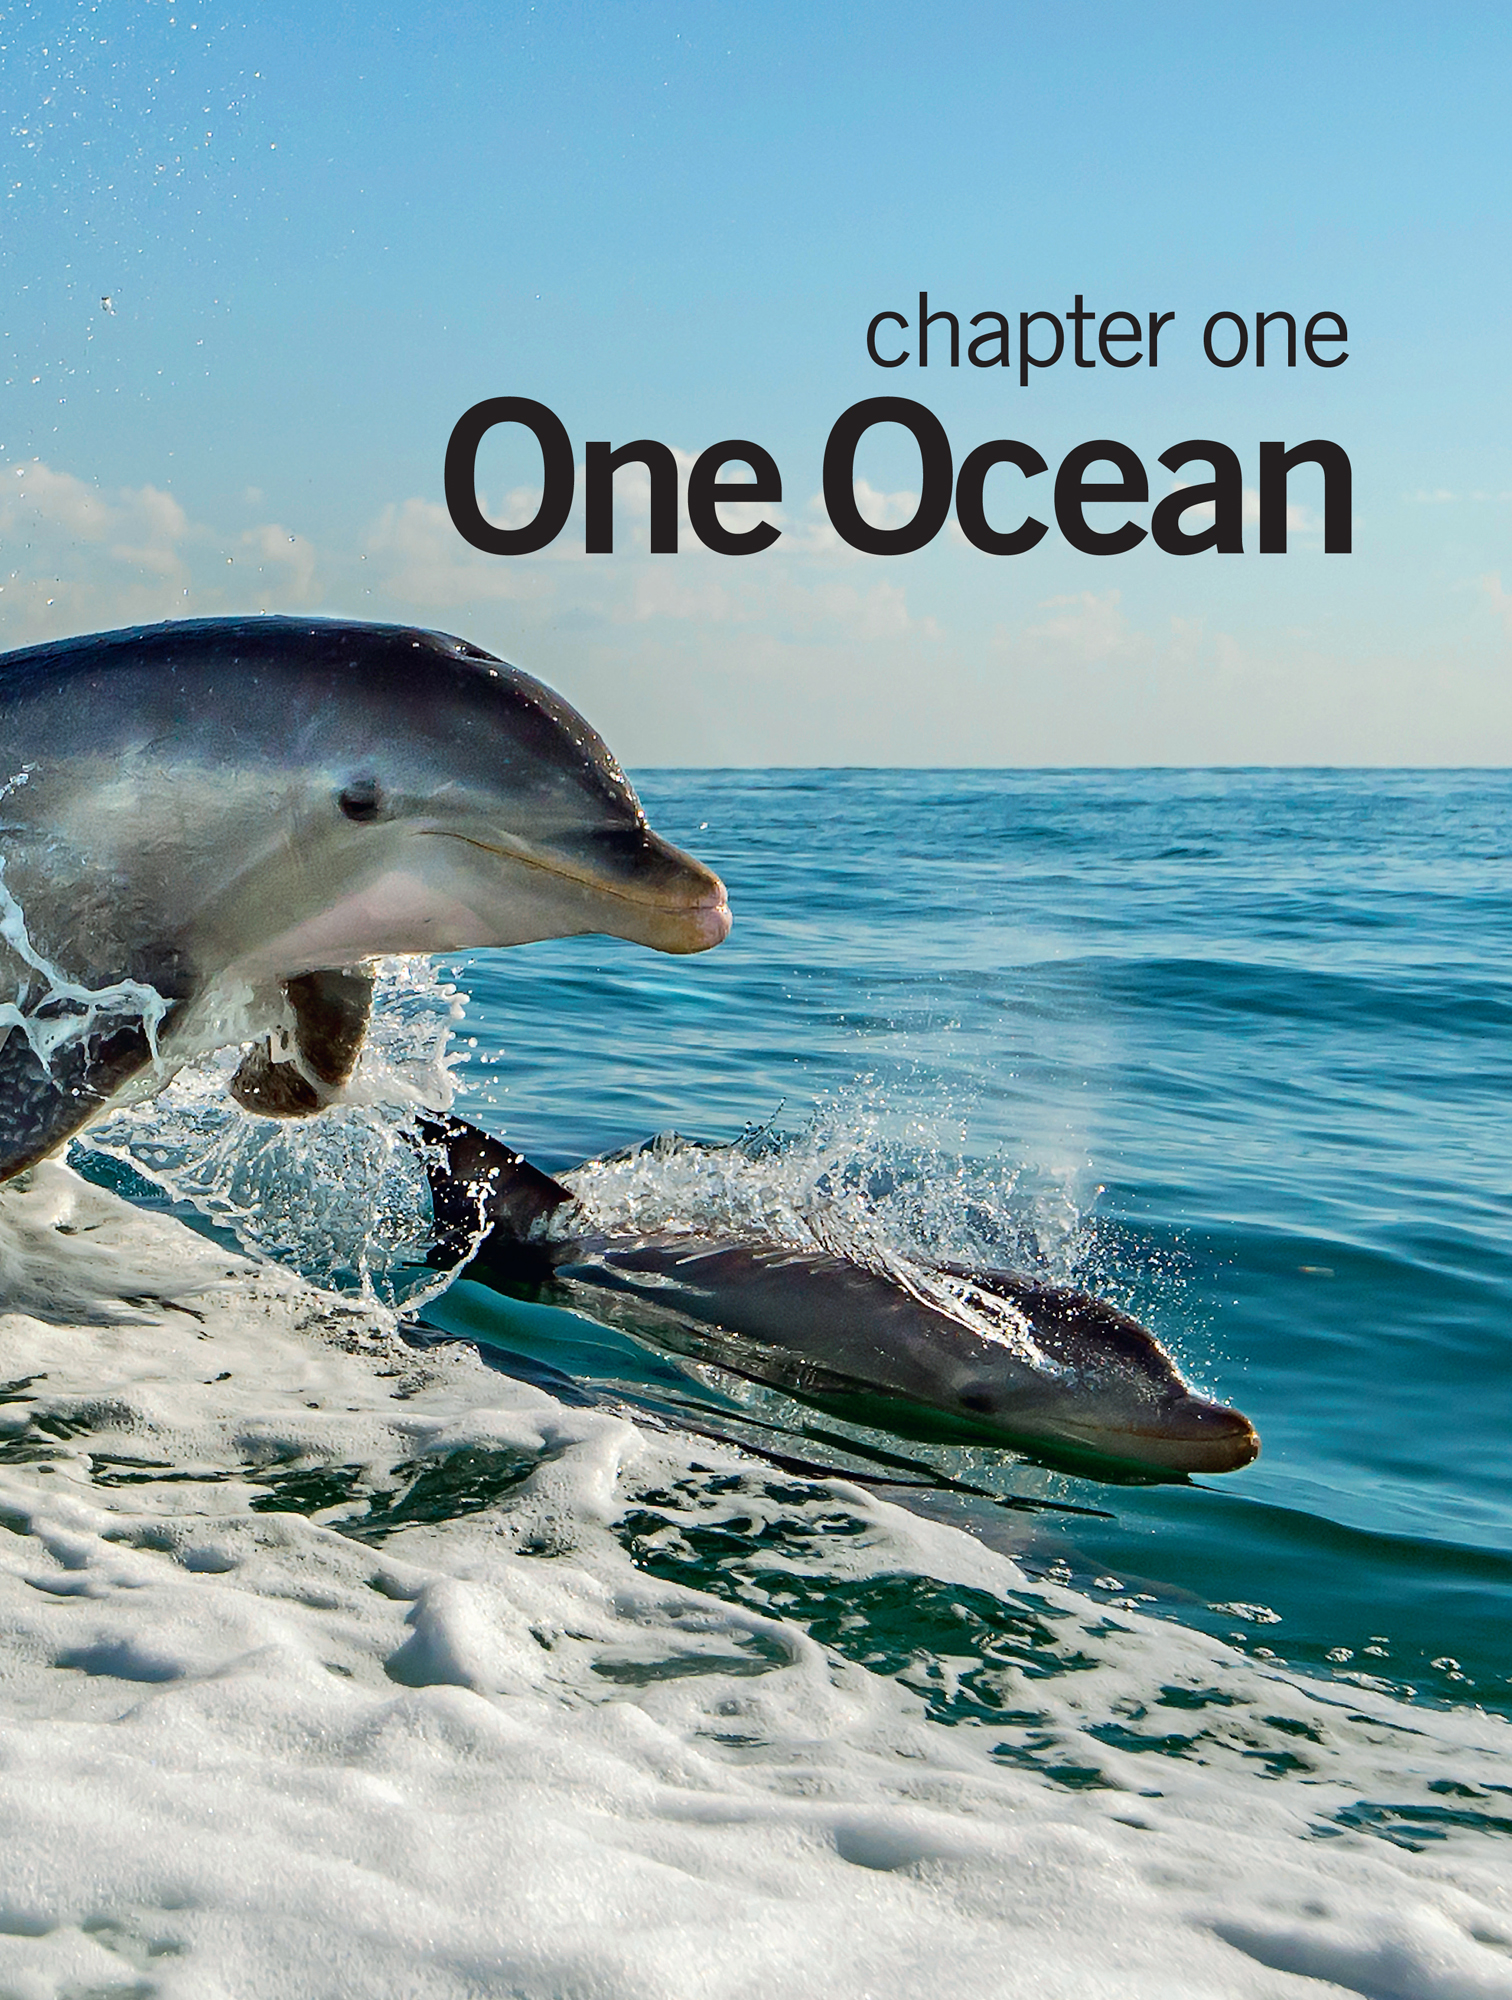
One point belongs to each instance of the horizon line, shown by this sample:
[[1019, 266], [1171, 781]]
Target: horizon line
[[1416, 770]]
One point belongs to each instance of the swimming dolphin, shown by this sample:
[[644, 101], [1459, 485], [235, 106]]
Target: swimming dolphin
[[207, 828], [1078, 1380]]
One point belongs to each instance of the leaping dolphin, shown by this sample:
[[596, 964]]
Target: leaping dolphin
[[208, 827], [1059, 1371]]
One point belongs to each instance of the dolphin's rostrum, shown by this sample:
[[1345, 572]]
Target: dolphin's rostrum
[[207, 828]]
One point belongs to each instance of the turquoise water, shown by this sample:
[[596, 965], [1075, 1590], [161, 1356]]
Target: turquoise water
[[1231, 1047]]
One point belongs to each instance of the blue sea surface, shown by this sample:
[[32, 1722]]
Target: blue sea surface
[[1234, 1047]]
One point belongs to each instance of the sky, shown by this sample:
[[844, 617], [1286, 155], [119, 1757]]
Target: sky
[[255, 266]]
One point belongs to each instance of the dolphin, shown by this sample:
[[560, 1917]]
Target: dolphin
[[209, 827], [1002, 1358]]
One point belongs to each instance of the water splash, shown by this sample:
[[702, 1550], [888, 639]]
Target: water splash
[[849, 1184], [869, 1174], [344, 1199], [341, 1197], [76, 1009]]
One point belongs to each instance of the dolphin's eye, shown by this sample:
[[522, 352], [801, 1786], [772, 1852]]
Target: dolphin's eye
[[977, 1400], [361, 799]]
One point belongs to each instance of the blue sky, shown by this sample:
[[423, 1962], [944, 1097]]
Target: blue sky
[[325, 232]]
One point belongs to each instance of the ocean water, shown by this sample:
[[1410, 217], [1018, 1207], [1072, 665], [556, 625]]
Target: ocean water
[[364, 1631], [1231, 1046]]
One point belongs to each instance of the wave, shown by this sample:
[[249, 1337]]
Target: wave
[[339, 1665]]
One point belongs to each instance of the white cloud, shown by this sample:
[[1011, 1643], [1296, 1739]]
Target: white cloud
[[41, 497], [666, 592], [423, 562], [1441, 495], [884, 510], [161, 526], [293, 554], [810, 651], [423, 566], [784, 600], [86, 558], [1501, 600], [1299, 520], [815, 534], [848, 611], [1087, 635], [1088, 628]]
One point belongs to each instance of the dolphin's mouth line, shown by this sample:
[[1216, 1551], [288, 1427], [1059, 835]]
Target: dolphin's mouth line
[[589, 881], [1153, 1452], [1087, 1433]]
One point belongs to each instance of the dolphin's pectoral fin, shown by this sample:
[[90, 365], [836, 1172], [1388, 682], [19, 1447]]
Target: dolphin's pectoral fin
[[45, 1104], [331, 1012], [272, 1086]]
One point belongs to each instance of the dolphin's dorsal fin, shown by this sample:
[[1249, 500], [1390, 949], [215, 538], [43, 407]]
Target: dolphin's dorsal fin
[[478, 1183], [331, 1012], [44, 1104]]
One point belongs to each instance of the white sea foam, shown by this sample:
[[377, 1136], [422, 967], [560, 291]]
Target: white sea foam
[[329, 1668]]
